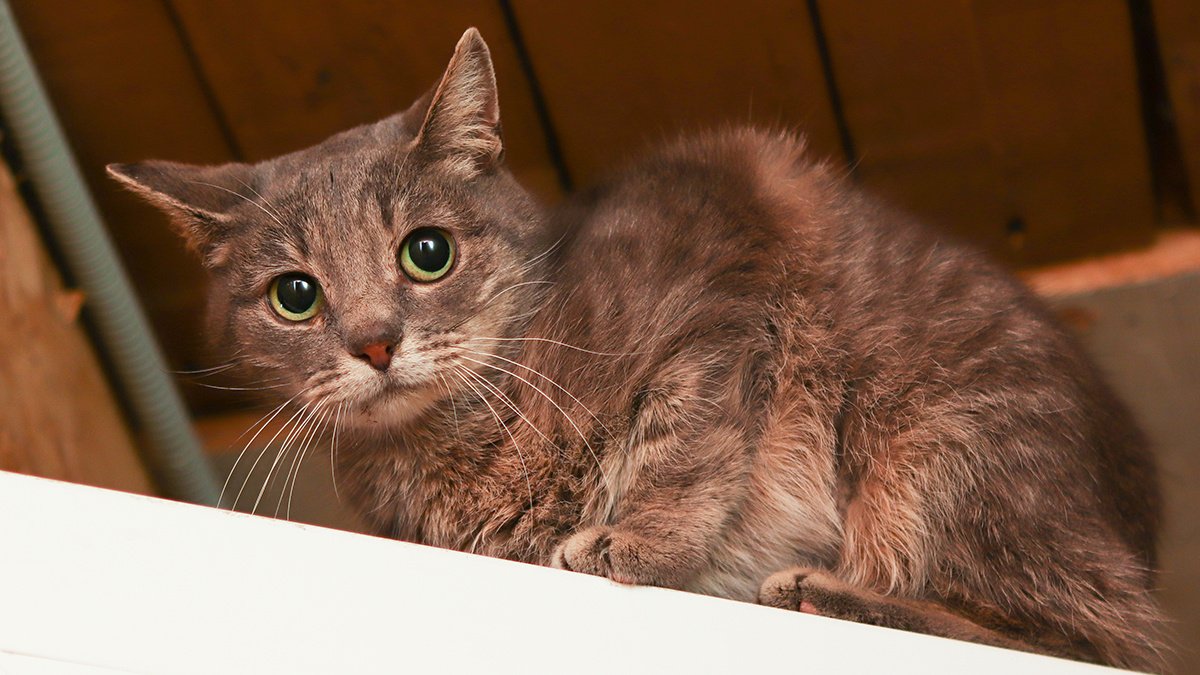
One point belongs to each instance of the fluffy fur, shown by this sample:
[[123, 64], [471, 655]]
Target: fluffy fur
[[724, 370]]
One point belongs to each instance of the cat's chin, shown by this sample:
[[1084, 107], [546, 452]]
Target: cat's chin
[[395, 409]]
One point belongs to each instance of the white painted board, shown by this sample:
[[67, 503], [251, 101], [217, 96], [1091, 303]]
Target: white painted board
[[95, 581]]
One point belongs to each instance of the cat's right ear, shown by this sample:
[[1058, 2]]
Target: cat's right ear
[[198, 199]]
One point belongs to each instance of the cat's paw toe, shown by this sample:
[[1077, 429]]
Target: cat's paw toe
[[801, 589], [586, 551], [605, 552]]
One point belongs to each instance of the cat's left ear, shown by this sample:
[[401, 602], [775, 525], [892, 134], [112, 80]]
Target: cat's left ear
[[199, 199], [462, 126]]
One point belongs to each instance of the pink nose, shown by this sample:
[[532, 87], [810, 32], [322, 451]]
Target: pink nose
[[378, 354]]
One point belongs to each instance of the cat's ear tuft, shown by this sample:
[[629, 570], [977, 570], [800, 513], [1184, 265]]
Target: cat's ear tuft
[[199, 199], [462, 125]]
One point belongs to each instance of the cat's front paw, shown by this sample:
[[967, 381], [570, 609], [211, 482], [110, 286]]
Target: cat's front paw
[[608, 552]]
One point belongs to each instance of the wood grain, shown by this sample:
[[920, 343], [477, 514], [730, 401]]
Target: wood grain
[[619, 75], [1014, 123], [58, 418], [287, 75]]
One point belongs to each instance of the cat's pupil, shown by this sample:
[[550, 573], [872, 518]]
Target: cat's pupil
[[429, 250], [297, 293]]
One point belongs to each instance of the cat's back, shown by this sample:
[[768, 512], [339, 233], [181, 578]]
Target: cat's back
[[715, 214]]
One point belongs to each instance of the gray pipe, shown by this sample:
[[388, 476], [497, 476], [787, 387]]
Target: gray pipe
[[175, 456]]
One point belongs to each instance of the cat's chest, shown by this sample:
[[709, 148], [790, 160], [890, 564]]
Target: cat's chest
[[483, 485]]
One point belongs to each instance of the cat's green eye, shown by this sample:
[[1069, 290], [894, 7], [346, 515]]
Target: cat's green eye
[[295, 296], [427, 254]]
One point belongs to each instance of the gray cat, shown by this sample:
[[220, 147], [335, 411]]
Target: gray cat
[[725, 370]]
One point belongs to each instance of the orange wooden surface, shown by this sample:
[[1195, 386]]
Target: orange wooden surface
[[619, 75], [976, 114]]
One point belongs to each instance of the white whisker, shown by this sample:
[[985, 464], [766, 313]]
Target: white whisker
[[321, 425], [508, 402], [556, 342], [528, 264], [300, 428], [242, 196], [262, 452], [520, 456], [269, 417], [582, 437], [205, 371], [546, 378], [453, 407], [301, 447], [266, 204], [333, 451], [223, 388]]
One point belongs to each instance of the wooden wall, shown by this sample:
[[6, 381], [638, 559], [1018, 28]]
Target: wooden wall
[[1016, 123]]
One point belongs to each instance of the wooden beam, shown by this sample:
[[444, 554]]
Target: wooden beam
[[58, 418], [1173, 253]]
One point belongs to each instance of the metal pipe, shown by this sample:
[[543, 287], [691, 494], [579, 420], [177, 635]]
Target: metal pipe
[[174, 455]]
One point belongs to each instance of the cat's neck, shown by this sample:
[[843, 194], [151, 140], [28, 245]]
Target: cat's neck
[[454, 477]]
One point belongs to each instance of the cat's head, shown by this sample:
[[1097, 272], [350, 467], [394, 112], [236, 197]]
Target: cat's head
[[366, 269]]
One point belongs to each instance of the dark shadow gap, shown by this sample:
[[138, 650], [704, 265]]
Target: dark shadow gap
[[831, 88], [549, 135], [1168, 170], [210, 96]]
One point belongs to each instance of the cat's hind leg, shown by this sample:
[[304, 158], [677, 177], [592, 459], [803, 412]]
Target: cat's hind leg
[[819, 592]]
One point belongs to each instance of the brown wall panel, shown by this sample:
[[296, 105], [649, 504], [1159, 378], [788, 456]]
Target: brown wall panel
[[287, 75], [617, 75], [977, 114], [124, 90]]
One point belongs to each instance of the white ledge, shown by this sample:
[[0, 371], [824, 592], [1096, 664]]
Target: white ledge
[[95, 581]]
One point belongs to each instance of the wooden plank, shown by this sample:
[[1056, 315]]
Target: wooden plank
[[288, 78], [124, 91], [1178, 27], [1175, 252], [58, 418], [994, 115], [617, 75]]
